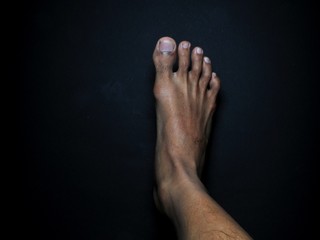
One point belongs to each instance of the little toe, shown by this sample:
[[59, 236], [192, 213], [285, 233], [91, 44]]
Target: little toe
[[214, 85], [164, 55], [184, 58], [197, 59]]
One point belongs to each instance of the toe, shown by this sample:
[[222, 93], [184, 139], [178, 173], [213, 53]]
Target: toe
[[196, 57], [184, 58], [212, 92], [214, 85], [164, 55], [206, 73]]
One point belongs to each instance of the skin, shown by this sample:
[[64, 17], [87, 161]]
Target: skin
[[185, 103]]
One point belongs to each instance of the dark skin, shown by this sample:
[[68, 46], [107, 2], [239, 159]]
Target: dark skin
[[185, 104]]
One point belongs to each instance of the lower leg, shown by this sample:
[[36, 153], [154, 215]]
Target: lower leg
[[185, 103]]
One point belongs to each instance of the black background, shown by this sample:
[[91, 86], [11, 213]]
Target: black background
[[87, 120]]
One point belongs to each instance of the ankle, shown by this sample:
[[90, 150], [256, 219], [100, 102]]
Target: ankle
[[182, 182]]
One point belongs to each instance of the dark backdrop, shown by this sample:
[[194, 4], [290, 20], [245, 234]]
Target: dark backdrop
[[87, 120]]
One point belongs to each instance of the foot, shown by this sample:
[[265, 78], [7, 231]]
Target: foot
[[185, 103]]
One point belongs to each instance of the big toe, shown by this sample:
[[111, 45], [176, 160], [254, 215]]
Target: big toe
[[164, 55]]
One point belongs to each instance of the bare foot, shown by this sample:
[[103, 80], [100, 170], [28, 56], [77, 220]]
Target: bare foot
[[185, 103]]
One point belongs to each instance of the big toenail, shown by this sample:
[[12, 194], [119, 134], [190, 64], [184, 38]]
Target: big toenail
[[199, 50], [166, 46], [207, 60], [185, 45]]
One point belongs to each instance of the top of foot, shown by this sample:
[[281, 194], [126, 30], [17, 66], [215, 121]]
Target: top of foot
[[185, 103]]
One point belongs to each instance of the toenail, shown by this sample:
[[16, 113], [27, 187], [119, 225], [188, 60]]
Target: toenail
[[166, 46], [214, 74], [207, 60], [185, 45], [199, 50]]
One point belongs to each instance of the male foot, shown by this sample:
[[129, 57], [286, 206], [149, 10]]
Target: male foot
[[185, 103]]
